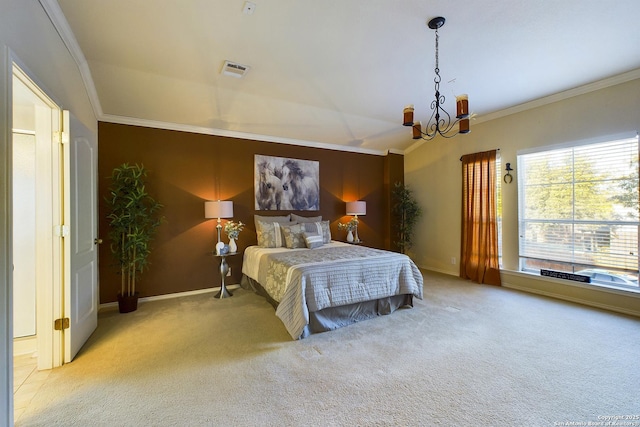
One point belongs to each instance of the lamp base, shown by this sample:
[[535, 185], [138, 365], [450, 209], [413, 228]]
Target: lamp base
[[223, 293]]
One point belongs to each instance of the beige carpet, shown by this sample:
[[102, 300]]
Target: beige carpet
[[467, 355]]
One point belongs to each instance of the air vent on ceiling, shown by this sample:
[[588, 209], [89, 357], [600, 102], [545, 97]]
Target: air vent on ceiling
[[234, 69]]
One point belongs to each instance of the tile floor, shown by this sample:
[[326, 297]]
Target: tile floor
[[27, 380]]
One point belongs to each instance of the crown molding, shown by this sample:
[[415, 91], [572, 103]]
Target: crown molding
[[234, 134], [560, 96], [59, 21]]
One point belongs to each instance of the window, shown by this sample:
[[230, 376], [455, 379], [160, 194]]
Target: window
[[578, 210]]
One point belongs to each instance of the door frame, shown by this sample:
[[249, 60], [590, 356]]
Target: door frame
[[6, 245], [50, 246], [8, 60]]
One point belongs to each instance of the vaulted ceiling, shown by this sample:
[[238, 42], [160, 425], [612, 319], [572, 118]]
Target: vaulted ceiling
[[340, 72]]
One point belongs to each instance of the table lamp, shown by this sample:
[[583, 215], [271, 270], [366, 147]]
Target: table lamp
[[357, 208], [218, 209]]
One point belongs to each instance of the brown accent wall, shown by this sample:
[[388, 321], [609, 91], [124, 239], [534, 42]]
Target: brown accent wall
[[394, 173], [186, 169]]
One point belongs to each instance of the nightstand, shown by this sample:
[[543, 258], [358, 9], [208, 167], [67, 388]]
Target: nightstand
[[224, 269]]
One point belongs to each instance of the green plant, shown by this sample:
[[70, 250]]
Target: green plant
[[133, 218], [406, 212]]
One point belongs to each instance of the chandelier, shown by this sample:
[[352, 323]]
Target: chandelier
[[440, 122]]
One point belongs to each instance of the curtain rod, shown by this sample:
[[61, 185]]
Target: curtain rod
[[496, 149]]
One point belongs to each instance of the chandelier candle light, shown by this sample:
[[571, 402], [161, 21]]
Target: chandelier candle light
[[439, 124]]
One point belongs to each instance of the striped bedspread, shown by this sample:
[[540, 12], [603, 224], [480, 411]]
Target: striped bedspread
[[308, 280]]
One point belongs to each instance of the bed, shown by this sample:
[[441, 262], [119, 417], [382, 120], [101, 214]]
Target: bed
[[330, 286]]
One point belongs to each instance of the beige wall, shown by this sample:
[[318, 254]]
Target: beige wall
[[27, 31], [433, 169]]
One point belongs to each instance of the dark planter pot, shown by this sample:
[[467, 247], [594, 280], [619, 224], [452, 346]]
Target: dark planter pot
[[127, 304]]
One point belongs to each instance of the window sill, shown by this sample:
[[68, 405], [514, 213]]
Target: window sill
[[635, 293]]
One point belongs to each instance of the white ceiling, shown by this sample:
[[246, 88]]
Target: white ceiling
[[340, 72]]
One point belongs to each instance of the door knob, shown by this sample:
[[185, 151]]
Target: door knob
[[97, 241]]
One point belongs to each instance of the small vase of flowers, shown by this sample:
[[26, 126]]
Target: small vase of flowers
[[349, 227], [233, 230]]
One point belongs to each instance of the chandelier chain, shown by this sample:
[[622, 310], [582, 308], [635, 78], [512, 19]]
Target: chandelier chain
[[437, 70]]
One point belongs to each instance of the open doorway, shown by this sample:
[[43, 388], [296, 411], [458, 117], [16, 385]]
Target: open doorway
[[53, 213], [37, 209]]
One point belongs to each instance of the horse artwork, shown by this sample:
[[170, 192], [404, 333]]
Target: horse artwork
[[286, 184]]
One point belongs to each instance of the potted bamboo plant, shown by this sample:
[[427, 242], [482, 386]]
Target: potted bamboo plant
[[406, 211], [133, 218]]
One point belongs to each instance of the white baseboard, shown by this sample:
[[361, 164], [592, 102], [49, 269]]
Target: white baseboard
[[112, 305], [582, 301], [25, 345], [437, 270], [625, 302], [619, 301]]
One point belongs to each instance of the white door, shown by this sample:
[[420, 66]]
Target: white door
[[81, 248]]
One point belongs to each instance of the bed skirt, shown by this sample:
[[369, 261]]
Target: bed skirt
[[331, 318]]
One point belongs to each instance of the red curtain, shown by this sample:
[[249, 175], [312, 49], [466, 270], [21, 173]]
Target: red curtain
[[479, 258]]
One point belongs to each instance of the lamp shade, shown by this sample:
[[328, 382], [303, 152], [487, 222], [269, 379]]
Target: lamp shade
[[218, 209], [357, 208]]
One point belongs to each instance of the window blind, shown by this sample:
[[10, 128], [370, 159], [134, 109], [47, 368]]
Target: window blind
[[578, 207]]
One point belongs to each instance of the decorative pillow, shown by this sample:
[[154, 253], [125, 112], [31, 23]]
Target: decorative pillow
[[269, 234], [262, 218], [320, 227], [299, 218], [293, 236], [313, 240]]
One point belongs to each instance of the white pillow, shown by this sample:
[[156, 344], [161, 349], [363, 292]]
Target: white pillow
[[320, 227], [313, 240]]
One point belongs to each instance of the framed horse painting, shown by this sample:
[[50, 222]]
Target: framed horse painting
[[283, 184]]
